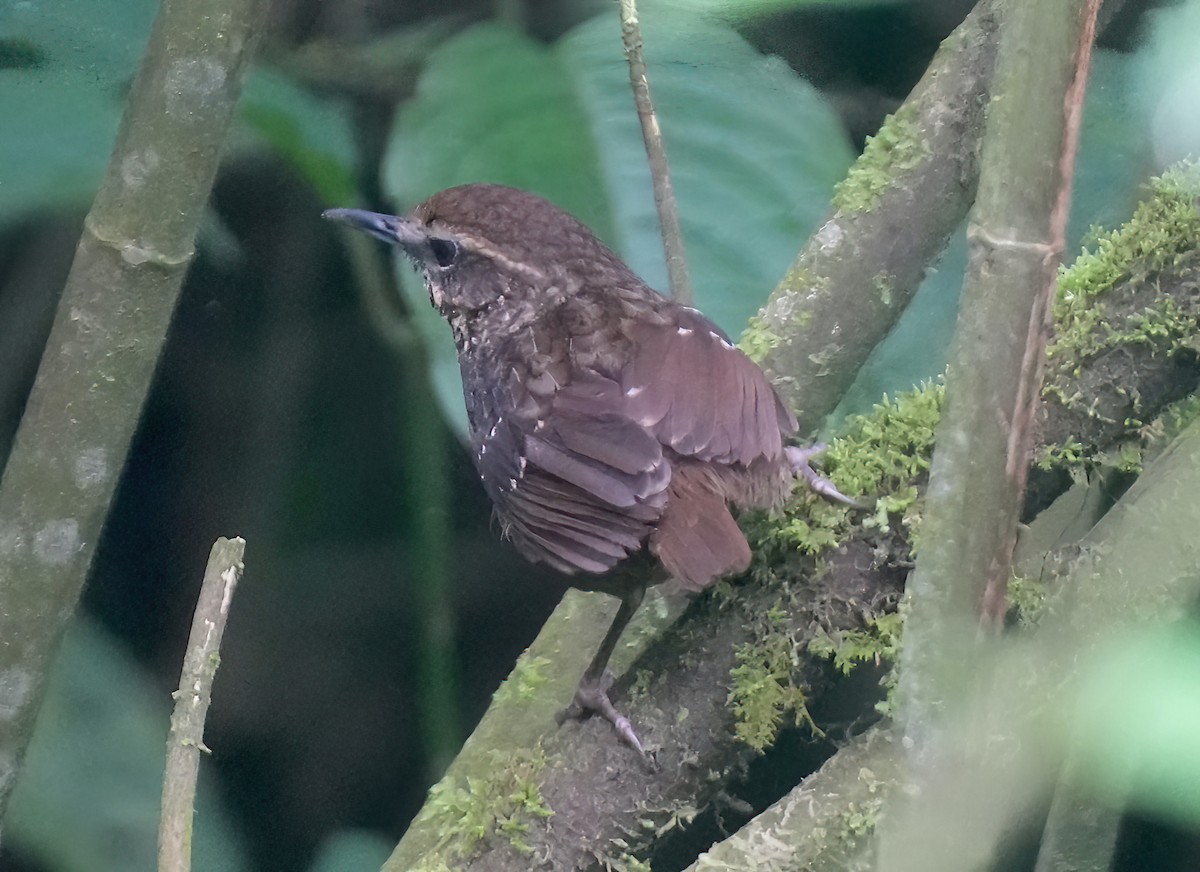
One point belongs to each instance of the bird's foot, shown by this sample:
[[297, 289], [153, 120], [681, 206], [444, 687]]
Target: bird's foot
[[800, 457], [591, 697]]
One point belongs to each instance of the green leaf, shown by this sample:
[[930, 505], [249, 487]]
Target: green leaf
[[352, 851], [1138, 720], [61, 95], [754, 152], [311, 134], [65, 68]]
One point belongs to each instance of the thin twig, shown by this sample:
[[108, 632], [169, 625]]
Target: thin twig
[[656, 152], [186, 739]]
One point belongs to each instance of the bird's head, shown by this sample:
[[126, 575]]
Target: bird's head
[[480, 246]]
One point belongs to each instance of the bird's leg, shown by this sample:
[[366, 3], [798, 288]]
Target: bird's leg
[[799, 458], [591, 697]]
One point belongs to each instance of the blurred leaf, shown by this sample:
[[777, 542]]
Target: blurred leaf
[[88, 797], [734, 10], [1138, 722], [311, 134], [1169, 71], [65, 68], [62, 108], [754, 149], [494, 105], [754, 152], [353, 851], [1113, 149]]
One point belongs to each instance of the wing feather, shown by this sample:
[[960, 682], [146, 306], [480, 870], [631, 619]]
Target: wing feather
[[700, 395], [583, 474]]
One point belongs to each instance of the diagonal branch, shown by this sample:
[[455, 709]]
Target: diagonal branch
[[111, 324]]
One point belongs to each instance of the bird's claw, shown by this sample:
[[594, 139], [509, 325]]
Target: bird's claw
[[591, 697], [817, 483]]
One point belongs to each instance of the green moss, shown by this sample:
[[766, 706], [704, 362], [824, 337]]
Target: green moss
[[1163, 232], [507, 802], [860, 818], [759, 339], [1177, 418], [878, 644], [789, 306], [1027, 596], [624, 862], [882, 456], [1162, 237], [526, 679], [764, 691], [884, 284], [898, 146]]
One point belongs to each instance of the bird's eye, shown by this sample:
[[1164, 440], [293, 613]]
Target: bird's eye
[[444, 251]]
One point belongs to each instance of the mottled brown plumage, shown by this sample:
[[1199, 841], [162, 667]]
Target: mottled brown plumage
[[605, 419]]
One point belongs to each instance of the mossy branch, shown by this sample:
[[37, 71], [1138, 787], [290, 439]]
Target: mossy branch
[[827, 581], [828, 822], [892, 217]]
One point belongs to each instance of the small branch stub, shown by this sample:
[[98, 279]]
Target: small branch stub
[[186, 739]]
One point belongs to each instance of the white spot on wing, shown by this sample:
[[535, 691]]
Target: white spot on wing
[[634, 391], [684, 331]]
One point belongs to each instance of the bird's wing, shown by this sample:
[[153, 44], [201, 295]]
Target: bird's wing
[[579, 486], [688, 385], [581, 473]]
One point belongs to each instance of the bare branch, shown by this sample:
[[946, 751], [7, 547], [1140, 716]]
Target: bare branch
[[656, 152], [186, 739]]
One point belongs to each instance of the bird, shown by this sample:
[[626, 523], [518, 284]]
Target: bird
[[613, 428]]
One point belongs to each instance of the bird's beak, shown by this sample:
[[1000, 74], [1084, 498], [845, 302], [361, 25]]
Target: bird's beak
[[390, 228]]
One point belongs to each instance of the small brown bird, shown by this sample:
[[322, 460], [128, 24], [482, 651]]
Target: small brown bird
[[606, 420]]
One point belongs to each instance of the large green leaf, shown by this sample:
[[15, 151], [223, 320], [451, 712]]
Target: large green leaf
[[65, 68], [62, 86], [754, 151], [1137, 721], [734, 10], [311, 134]]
